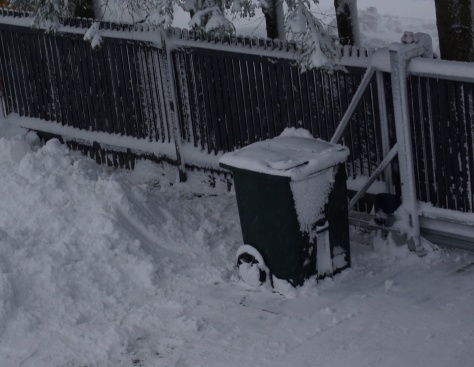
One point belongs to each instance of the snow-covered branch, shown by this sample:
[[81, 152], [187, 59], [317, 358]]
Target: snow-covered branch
[[46, 13], [317, 47], [93, 35], [212, 21], [210, 17]]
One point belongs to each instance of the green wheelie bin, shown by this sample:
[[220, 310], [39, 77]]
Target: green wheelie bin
[[292, 201]]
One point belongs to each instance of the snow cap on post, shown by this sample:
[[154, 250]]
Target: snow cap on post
[[424, 39], [408, 37], [418, 39]]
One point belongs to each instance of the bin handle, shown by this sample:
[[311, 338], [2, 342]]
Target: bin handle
[[297, 166]]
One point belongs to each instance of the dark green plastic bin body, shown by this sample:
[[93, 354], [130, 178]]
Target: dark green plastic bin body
[[270, 224]]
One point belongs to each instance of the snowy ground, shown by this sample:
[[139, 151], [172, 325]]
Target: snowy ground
[[103, 267]]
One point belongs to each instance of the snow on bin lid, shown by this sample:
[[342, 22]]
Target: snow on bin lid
[[295, 154]]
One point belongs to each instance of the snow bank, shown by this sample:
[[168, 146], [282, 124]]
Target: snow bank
[[88, 254], [66, 262]]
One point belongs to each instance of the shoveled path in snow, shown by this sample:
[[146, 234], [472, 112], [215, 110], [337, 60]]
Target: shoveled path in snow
[[101, 267], [414, 314]]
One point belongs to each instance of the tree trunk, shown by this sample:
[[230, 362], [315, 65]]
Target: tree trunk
[[84, 8], [274, 19], [347, 22], [454, 19]]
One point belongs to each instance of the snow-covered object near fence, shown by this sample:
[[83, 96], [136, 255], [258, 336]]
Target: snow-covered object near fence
[[93, 35], [294, 154], [408, 37], [251, 272]]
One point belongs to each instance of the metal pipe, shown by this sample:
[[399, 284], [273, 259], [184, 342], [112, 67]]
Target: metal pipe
[[388, 158], [173, 104], [399, 56], [384, 129], [353, 105]]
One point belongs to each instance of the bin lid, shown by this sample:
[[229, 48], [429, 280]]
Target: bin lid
[[294, 154]]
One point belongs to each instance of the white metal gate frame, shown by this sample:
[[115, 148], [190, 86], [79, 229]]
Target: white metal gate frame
[[400, 60]]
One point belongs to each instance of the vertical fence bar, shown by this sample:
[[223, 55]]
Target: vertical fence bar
[[271, 100], [227, 123], [184, 97], [427, 139], [464, 151], [133, 64], [159, 76], [218, 109], [234, 105], [278, 93]]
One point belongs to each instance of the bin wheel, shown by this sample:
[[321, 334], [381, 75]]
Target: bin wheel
[[251, 267]]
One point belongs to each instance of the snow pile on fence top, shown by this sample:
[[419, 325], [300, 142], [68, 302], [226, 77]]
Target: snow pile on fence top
[[294, 154]]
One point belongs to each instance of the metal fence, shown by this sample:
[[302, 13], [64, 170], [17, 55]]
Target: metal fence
[[233, 97], [229, 93], [442, 122], [114, 88]]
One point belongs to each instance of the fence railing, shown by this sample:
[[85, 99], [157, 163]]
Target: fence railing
[[229, 93], [234, 96], [442, 117], [114, 88]]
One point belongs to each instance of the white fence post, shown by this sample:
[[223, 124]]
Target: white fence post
[[400, 54], [173, 109], [384, 129]]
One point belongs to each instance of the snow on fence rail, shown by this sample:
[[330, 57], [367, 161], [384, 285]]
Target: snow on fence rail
[[230, 92], [134, 32]]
